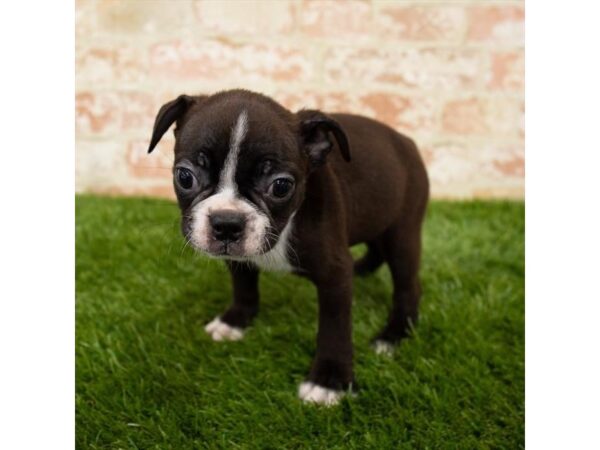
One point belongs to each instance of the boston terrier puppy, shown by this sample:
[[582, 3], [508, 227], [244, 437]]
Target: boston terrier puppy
[[267, 189]]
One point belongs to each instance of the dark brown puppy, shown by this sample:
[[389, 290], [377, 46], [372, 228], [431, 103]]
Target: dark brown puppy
[[265, 188]]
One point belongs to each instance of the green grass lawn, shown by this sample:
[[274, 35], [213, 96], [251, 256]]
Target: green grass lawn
[[149, 377]]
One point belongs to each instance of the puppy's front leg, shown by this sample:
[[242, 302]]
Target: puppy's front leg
[[331, 373], [230, 326]]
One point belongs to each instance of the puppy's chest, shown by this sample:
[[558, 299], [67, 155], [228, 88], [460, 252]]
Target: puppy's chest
[[273, 262], [278, 258]]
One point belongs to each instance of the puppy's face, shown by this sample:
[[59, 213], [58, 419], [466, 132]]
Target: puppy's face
[[238, 176], [239, 171]]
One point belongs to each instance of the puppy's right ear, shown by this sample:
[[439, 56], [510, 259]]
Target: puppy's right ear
[[169, 113]]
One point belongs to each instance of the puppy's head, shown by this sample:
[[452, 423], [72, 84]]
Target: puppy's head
[[241, 162]]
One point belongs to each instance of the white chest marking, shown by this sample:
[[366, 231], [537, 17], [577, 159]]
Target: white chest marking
[[276, 259]]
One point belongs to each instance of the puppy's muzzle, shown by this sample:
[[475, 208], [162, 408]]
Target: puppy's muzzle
[[227, 226]]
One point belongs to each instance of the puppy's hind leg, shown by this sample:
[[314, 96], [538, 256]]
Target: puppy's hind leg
[[370, 262], [402, 252]]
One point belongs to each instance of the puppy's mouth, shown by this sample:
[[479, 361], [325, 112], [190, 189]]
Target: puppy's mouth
[[224, 249], [220, 249], [228, 249]]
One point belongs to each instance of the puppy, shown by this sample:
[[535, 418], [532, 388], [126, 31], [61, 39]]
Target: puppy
[[267, 189]]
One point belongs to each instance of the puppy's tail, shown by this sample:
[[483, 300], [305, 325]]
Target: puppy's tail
[[369, 263]]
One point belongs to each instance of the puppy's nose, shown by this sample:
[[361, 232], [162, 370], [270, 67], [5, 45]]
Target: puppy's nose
[[227, 225]]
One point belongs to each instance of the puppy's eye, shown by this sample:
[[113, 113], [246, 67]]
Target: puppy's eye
[[281, 187], [185, 178], [203, 160]]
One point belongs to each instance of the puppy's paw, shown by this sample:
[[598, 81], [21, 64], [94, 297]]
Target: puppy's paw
[[382, 347], [220, 331], [310, 392]]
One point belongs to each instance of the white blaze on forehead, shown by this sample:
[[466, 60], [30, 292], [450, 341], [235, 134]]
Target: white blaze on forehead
[[238, 133]]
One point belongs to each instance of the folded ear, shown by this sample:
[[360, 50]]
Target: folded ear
[[169, 113], [315, 138]]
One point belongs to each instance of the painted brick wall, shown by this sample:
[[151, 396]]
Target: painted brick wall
[[448, 73]]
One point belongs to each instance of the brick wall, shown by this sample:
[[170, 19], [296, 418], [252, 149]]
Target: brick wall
[[448, 73]]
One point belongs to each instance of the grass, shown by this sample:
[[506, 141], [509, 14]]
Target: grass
[[149, 377]]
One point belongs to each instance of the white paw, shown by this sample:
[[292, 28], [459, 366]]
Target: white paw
[[313, 393], [383, 348], [220, 331]]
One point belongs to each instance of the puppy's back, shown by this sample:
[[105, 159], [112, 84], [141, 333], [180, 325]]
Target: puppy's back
[[386, 177]]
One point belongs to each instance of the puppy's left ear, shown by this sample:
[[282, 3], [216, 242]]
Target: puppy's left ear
[[315, 129], [169, 113]]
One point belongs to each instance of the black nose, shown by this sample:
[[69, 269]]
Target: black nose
[[227, 225]]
